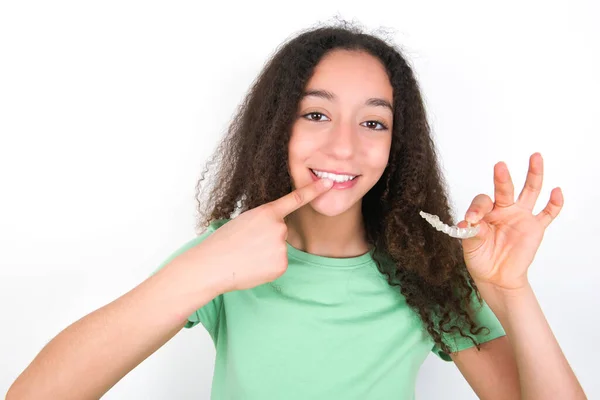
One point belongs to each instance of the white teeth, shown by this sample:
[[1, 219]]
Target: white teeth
[[453, 231], [333, 177]]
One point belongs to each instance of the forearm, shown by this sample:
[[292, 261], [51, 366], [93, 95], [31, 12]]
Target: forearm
[[87, 358], [544, 372]]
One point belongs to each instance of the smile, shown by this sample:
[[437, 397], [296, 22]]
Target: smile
[[339, 178]]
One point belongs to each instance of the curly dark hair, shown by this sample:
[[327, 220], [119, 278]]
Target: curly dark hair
[[428, 268]]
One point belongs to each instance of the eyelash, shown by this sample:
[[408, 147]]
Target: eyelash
[[374, 120]]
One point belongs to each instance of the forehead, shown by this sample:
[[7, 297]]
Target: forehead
[[351, 72]]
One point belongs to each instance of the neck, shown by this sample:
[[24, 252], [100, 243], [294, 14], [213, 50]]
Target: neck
[[341, 236]]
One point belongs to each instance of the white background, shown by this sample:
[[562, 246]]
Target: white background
[[108, 111]]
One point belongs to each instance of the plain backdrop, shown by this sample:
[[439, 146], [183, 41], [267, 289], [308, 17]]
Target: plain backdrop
[[108, 111]]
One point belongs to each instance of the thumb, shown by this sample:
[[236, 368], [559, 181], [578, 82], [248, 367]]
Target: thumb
[[473, 243]]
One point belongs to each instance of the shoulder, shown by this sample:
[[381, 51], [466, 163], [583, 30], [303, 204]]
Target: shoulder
[[212, 227], [203, 234], [205, 231], [216, 224]]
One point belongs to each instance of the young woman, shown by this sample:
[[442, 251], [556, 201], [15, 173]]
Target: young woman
[[317, 278]]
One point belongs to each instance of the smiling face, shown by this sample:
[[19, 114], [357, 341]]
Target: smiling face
[[343, 126]]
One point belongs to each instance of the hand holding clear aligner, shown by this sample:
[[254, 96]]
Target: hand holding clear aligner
[[453, 231]]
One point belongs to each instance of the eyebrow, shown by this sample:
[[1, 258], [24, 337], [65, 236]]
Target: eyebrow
[[324, 94]]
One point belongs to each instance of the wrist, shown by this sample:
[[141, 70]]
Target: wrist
[[500, 299], [190, 285], [503, 292]]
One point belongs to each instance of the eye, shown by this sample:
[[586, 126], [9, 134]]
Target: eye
[[373, 125], [314, 116]]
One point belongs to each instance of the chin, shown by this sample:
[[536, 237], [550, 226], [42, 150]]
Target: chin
[[329, 207]]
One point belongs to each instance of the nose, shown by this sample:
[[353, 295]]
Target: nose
[[341, 143]]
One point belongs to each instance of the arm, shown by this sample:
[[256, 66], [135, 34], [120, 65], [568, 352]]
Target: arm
[[528, 360], [498, 259], [90, 356], [492, 371]]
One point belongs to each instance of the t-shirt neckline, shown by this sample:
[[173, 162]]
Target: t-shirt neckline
[[329, 261]]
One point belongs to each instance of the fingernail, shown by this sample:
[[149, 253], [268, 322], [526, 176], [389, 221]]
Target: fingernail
[[471, 217], [327, 183]]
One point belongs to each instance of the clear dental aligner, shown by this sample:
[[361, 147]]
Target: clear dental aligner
[[453, 231]]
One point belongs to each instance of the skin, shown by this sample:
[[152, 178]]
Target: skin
[[339, 134], [498, 258], [87, 358], [91, 355], [526, 363]]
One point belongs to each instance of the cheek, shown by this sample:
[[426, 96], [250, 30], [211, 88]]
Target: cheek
[[302, 146], [377, 155], [300, 149]]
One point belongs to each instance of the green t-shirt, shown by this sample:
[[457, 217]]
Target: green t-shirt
[[328, 328]]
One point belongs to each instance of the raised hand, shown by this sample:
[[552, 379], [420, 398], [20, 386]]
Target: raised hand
[[509, 234], [251, 249]]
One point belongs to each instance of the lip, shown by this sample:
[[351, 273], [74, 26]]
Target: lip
[[337, 185], [335, 172]]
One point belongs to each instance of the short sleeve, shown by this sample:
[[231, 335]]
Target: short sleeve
[[483, 316], [208, 315]]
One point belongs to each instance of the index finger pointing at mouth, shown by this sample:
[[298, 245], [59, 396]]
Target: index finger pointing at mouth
[[300, 197]]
